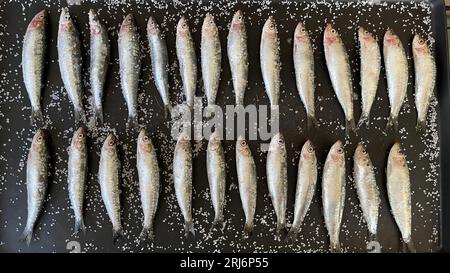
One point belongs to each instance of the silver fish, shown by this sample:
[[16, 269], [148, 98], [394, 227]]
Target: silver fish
[[37, 182], [149, 181], [333, 193], [370, 60], [306, 186], [187, 60], [270, 61], [33, 57], [246, 174], [396, 73], [160, 62], [399, 193], [367, 189], [109, 179], [425, 71], [99, 61], [238, 56], [182, 176], [76, 176], [340, 74], [130, 66], [69, 58], [304, 71]]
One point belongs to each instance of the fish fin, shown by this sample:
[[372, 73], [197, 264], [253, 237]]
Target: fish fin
[[335, 247], [132, 122], [79, 116], [311, 121], [248, 229], [408, 247], [364, 119], [189, 228], [36, 114], [349, 126], [99, 114], [421, 126], [26, 236], [281, 228], [292, 235], [218, 222], [210, 110], [167, 111], [79, 225], [147, 234], [392, 122], [117, 233]]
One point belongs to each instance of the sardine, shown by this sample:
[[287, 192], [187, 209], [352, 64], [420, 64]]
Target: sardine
[[270, 61]]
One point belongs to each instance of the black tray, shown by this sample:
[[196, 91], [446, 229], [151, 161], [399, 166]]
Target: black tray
[[427, 155]]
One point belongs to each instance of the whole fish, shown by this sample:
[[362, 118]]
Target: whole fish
[[187, 60], [399, 193], [160, 62], [246, 174], [238, 56], [333, 193], [277, 178], [425, 71], [37, 182], [76, 176], [211, 55], [33, 57], [109, 179], [304, 71], [149, 181], [340, 74], [130, 66], [69, 58], [306, 186], [215, 167], [370, 60], [270, 61], [396, 73], [99, 61], [182, 177], [367, 189]]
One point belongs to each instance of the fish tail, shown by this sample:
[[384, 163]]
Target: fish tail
[[189, 228], [79, 115], [365, 118], [292, 234], [117, 233], [210, 110], [132, 122], [167, 111], [350, 126], [26, 236], [218, 222], [335, 247], [147, 234], [311, 121], [408, 246], [36, 114], [281, 227], [79, 225], [420, 126], [248, 229], [373, 237], [392, 122], [99, 114]]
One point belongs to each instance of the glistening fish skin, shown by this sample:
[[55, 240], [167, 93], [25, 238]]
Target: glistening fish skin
[[37, 182], [396, 73], [33, 57], [306, 186], [149, 182], [399, 193], [130, 66], [333, 193], [270, 61], [370, 60], [304, 71], [99, 62], [182, 177], [367, 189], [340, 74], [238, 56], [277, 178], [76, 176], [246, 174], [69, 58], [425, 73], [109, 179]]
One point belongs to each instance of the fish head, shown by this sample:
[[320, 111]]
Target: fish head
[[38, 20], [152, 26], [330, 35], [365, 36], [79, 138], [183, 27], [300, 34], [277, 144], [397, 156], [308, 150], [337, 153], [242, 146], [144, 141], [270, 27], [94, 23], [110, 143], [209, 27], [237, 23], [420, 45], [214, 141], [391, 39], [361, 154], [184, 140], [38, 140], [65, 21], [127, 24]]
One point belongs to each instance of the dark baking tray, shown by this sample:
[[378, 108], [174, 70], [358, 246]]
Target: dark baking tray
[[430, 201]]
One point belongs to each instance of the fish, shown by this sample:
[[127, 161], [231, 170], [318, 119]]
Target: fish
[[187, 60], [370, 60], [306, 187], [333, 193], [149, 182], [130, 67], [238, 56], [270, 61], [182, 176], [77, 175], [211, 57], [399, 193], [37, 182], [160, 62], [338, 66], [367, 189], [303, 56], [33, 61], [396, 66], [215, 167], [109, 179], [425, 79], [70, 59], [247, 182], [100, 53]]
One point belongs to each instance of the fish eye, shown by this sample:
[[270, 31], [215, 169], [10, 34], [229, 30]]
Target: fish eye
[[39, 138], [340, 151], [333, 31], [239, 18], [310, 149], [280, 141], [145, 138], [364, 152], [243, 143], [111, 143], [272, 26], [366, 32], [80, 135], [302, 30], [421, 41], [41, 16]]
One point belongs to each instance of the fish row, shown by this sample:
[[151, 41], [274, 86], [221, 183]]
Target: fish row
[[336, 56], [333, 183]]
